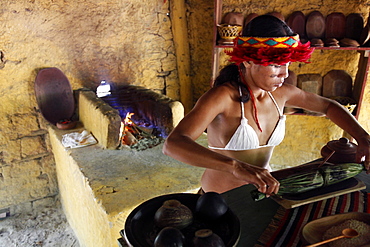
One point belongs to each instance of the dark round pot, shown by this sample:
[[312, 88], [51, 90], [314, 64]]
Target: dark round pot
[[206, 238], [344, 151], [174, 214]]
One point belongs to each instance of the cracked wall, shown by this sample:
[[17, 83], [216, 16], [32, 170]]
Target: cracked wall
[[120, 41]]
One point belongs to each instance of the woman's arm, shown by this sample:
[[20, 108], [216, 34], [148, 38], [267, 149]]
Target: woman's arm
[[181, 145], [336, 113]]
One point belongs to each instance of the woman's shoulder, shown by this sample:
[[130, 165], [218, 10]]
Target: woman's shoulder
[[286, 91], [226, 90], [223, 96]]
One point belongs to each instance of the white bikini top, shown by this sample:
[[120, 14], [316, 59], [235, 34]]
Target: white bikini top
[[245, 137]]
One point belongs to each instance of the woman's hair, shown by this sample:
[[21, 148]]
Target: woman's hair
[[267, 26], [260, 26], [230, 73]]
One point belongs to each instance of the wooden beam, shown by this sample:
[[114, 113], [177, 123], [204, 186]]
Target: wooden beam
[[180, 36]]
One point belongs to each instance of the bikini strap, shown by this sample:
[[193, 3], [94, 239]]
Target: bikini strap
[[241, 102], [275, 103]]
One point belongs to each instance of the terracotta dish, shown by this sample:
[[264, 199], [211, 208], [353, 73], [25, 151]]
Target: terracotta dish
[[365, 35], [337, 83], [249, 17], [315, 25], [234, 18], [310, 83], [354, 26], [335, 26], [315, 42], [331, 42], [346, 42], [313, 231], [297, 22], [54, 95], [277, 15]]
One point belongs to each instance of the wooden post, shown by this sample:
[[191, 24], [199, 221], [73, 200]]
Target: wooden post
[[180, 36]]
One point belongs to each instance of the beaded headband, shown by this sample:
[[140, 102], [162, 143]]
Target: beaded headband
[[277, 42], [269, 50]]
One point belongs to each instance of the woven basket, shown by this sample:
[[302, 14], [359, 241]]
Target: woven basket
[[227, 31], [347, 102]]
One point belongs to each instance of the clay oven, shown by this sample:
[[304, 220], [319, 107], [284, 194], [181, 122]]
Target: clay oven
[[104, 116]]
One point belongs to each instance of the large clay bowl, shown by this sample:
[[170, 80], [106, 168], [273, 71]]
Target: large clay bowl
[[354, 26], [337, 83], [140, 229], [297, 22], [315, 25], [54, 95], [335, 26]]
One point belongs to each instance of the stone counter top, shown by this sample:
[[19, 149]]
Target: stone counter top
[[129, 177], [116, 181]]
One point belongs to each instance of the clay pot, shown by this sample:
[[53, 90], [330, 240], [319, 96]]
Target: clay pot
[[345, 151], [173, 214], [234, 18], [206, 238], [169, 236], [211, 206]]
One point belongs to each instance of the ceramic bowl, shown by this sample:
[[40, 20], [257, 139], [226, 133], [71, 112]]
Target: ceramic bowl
[[140, 229], [313, 231]]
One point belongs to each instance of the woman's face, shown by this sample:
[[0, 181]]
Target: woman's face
[[269, 77]]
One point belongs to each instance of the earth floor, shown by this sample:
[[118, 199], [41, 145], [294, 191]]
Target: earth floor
[[45, 226]]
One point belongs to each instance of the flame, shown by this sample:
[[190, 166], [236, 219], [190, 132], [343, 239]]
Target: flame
[[128, 133], [127, 120]]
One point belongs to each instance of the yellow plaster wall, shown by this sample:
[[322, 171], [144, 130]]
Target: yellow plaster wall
[[120, 41], [364, 117]]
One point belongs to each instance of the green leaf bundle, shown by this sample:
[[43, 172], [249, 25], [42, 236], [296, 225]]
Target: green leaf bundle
[[305, 180]]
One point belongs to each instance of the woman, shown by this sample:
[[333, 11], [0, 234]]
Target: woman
[[243, 116]]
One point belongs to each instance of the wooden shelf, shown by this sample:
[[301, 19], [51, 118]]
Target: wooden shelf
[[363, 64]]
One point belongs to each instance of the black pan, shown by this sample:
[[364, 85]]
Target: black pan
[[140, 230]]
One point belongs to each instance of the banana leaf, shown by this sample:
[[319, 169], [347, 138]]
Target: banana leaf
[[311, 177]]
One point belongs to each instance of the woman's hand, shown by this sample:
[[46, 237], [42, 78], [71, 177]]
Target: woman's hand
[[259, 177], [363, 152]]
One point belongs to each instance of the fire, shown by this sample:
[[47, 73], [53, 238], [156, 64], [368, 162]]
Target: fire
[[133, 134], [127, 121], [128, 137]]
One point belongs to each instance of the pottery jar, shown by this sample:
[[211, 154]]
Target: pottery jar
[[207, 238], [173, 214], [344, 151]]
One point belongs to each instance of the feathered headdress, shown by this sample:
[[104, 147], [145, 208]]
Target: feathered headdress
[[269, 50]]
